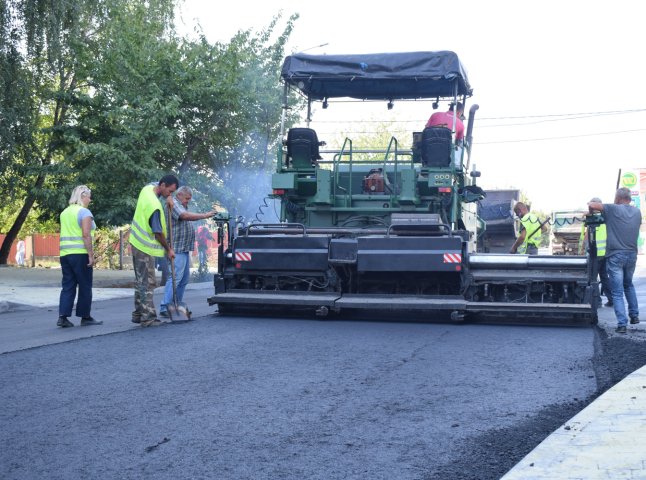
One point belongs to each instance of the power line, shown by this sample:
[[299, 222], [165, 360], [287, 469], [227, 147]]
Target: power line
[[546, 118], [607, 112], [559, 118], [563, 137]]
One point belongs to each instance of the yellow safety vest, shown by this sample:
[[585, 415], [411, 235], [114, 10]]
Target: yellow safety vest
[[71, 240], [530, 223], [141, 235], [601, 236]]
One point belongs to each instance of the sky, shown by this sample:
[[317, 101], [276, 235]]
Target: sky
[[561, 85]]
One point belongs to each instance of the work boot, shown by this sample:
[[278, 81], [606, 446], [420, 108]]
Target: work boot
[[64, 322], [151, 323], [621, 329], [90, 321], [634, 320]]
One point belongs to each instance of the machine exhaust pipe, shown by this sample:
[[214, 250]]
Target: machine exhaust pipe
[[469, 136]]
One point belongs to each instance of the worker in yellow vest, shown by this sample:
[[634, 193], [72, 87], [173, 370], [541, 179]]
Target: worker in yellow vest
[[601, 237], [77, 259], [531, 231], [148, 233]]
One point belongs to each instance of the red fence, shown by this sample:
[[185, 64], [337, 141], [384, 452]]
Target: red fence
[[45, 247], [36, 246]]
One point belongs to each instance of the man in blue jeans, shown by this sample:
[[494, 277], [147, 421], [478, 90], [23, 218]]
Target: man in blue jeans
[[183, 237], [622, 224]]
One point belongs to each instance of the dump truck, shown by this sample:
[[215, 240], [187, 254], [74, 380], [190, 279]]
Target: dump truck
[[500, 229], [567, 229], [391, 232]]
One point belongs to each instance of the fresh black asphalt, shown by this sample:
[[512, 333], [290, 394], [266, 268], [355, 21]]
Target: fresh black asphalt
[[250, 398]]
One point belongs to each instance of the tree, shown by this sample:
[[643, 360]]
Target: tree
[[238, 170], [379, 138], [17, 123], [175, 105], [52, 48], [114, 99]]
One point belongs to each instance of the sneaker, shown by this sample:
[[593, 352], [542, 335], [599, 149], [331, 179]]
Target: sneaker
[[634, 320], [164, 314], [621, 329], [90, 321], [64, 322], [151, 323]]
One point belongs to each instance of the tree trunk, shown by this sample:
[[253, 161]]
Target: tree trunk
[[187, 161], [60, 112]]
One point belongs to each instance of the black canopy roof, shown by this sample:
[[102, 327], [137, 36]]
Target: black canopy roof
[[378, 76]]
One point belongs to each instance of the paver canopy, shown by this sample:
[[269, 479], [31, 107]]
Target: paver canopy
[[379, 76]]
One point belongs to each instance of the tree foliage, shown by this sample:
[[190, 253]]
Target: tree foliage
[[104, 93], [380, 138]]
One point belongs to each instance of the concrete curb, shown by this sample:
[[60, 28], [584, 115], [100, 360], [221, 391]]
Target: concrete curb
[[605, 440], [43, 297]]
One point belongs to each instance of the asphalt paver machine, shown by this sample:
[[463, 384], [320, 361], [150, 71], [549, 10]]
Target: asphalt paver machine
[[393, 231]]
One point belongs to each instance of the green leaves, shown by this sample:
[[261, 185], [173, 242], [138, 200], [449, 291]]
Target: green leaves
[[104, 93]]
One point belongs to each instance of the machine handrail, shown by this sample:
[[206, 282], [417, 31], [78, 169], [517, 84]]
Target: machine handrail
[[336, 161], [338, 155], [392, 140], [367, 150]]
